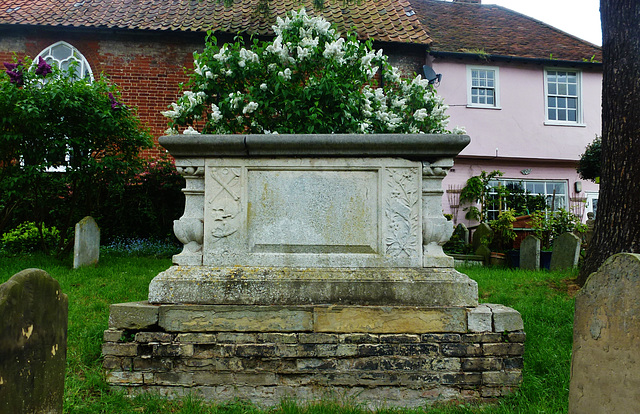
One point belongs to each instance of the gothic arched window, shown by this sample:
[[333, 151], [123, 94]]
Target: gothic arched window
[[63, 55]]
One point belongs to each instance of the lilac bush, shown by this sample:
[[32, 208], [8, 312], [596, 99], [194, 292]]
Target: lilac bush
[[307, 80]]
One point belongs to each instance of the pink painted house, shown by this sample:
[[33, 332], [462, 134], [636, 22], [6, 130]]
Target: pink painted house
[[528, 94]]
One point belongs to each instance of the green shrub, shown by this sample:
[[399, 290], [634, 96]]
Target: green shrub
[[29, 237], [145, 207]]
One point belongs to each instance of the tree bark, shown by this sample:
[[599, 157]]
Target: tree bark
[[617, 226]]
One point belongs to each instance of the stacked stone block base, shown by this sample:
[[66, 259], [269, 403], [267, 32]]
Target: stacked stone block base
[[376, 355]]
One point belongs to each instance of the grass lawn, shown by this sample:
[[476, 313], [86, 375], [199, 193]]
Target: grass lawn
[[541, 297]]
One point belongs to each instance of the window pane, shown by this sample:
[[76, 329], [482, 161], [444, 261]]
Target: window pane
[[572, 115], [573, 90], [553, 89], [551, 77], [562, 77], [572, 77], [60, 52], [572, 103], [562, 115], [552, 115], [562, 89], [562, 102], [551, 102]]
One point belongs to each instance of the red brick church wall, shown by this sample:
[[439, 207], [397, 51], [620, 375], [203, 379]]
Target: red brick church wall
[[146, 68]]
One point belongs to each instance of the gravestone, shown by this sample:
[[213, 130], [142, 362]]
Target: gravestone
[[462, 232], [86, 250], [590, 226], [482, 233], [605, 367], [566, 252], [33, 343], [530, 253], [485, 252]]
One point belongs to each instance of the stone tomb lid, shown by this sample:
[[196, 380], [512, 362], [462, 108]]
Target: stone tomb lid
[[412, 146]]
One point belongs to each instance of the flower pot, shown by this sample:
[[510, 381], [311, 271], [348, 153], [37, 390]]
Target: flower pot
[[498, 259]]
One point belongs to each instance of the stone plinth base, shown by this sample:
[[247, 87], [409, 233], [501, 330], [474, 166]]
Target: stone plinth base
[[376, 355], [431, 287]]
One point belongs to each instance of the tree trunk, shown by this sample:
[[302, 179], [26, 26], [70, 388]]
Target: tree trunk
[[617, 226]]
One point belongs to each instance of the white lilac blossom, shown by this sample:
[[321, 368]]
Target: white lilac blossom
[[420, 114], [250, 107], [190, 131], [216, 115], [175, 112], [286, 74]]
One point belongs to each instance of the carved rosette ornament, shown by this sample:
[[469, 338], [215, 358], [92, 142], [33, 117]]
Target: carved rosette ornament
[[436, 229], [189, 229]]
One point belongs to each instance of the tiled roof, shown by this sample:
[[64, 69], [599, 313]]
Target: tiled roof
[[495, 30], [382, 20], [449, 27]]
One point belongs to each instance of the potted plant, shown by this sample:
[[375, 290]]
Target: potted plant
[[503, 236]]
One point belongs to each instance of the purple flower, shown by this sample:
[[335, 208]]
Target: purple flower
[[115, 104], [43, 67], [14, 70]]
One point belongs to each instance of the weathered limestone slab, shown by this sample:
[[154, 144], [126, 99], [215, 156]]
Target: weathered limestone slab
[[505, 319], [133, 315], [304, 286], [530, 253], [605, 367], [371, 319], [33, 343], [480, 319], [312, 212], [566, 252], [86, 248], [196, 318]]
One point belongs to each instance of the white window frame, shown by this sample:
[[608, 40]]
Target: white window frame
[[83, 69], [561, 200], [496, 87], [579, 110]]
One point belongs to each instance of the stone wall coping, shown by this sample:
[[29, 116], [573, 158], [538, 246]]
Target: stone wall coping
[[411, 146]]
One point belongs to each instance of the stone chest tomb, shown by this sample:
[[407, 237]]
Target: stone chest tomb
[[313, 264]]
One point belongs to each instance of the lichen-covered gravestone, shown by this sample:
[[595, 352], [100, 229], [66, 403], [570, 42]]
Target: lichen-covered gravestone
[[566, 252], [86, 250], [605, 369], [33, 343], [482, 235], [530, 253]]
